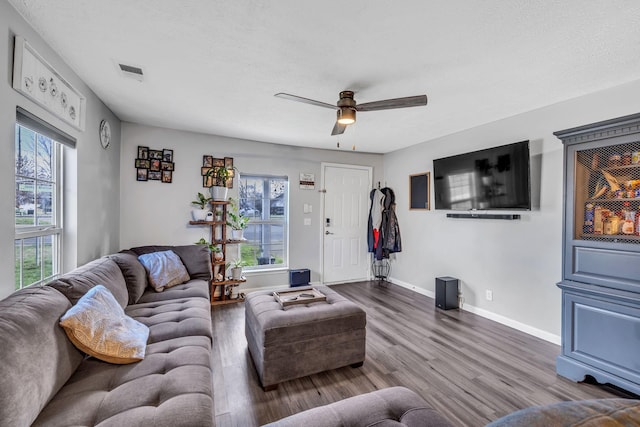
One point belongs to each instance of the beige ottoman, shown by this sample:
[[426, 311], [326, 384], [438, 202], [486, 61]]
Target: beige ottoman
[[303, 339]]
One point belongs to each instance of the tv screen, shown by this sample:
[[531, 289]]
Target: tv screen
[[494, 178]]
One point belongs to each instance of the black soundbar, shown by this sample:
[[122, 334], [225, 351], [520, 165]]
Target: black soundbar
[[483, 216]]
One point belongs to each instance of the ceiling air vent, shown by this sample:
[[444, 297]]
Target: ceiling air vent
[[131, 71]]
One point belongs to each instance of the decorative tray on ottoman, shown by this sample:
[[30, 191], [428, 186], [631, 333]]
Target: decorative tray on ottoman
[[298, 296]]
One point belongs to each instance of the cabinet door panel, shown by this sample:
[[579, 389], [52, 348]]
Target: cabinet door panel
[[603, 334], [606, 267]]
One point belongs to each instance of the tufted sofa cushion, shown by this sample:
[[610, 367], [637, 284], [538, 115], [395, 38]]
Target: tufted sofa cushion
[[29, 328], [174, 379], [190, 316], [389, 407], [102, 271], [172, 386], [191, 289]]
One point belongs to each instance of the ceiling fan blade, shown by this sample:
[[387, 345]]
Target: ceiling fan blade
[[338, 129], [305, 100], [389, 104]]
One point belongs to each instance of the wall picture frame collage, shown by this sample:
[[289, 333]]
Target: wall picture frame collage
[[154, 165], [209, 171]]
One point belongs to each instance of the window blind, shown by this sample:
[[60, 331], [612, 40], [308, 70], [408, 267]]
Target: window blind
[[35, 123]]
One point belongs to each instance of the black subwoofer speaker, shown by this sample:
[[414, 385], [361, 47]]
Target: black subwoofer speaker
[[446, 292], [300, 277]]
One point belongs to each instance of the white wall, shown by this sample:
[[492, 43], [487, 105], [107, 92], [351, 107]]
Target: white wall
[[156, 213], [107, 209], [520, 261], [91, 173]]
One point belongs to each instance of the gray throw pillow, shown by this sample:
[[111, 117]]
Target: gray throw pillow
[[134, 274], [165, 269]]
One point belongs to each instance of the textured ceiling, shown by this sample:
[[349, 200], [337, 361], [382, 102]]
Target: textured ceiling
[[214, 66]]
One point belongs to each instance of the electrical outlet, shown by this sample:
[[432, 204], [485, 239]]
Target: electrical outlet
[[489, 295]]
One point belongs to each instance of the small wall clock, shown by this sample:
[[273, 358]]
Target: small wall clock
[[105, 134]]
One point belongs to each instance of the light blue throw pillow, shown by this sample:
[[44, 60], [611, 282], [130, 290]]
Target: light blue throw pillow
[[164, 269]]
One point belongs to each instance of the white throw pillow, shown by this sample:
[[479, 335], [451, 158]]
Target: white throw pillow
[[165, 269], [98, 326]]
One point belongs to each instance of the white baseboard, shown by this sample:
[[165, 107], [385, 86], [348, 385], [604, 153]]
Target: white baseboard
[[411, 287], [527, 329]]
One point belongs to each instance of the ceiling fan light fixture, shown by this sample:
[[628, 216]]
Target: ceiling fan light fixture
[[346, 116], [346, 106]]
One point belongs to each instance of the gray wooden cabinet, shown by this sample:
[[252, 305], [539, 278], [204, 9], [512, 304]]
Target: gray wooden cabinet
[[601, 253]]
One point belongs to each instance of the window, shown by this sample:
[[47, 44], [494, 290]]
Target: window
[[462, 187], [38, 208], [264, 199]]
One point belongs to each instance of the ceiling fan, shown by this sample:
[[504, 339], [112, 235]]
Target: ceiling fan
[[346, 107]]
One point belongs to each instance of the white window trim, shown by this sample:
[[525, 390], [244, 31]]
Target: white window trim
[[269, 268], [30, 231]]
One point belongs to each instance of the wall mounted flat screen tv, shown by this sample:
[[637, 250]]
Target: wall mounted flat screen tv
[[494, 178]]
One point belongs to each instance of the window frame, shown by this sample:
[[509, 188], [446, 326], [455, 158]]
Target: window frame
[[284, 222], [42, 231]]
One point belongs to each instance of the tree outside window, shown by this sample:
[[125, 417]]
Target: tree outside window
[[264, 199], [37, 216]]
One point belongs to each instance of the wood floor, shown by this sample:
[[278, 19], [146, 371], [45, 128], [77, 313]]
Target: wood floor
[[472, 370]]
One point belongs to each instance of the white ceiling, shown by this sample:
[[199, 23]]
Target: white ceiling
[[214, 66]]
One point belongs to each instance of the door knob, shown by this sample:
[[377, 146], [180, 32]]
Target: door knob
[[328, 232]]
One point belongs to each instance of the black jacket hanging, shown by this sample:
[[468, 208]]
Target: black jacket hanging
[[389, 241]]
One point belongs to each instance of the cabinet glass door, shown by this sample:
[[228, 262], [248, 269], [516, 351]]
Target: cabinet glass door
[[607, 193]]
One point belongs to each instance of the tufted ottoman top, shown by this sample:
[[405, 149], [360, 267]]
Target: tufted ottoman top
[[270, 323]]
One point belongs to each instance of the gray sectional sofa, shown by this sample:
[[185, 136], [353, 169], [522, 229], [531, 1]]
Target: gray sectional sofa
[[46, 381]]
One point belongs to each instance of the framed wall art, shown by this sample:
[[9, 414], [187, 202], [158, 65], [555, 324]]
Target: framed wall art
[[155, 165], [167, 155], [155, 154], [142, 174], [210, 168], [38, 80], [143, 152], [419, 191], [142, 164]]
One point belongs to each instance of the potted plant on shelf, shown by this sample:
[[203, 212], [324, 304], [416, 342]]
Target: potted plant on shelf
[[220, 176], [202, 203], [237, 221], [236, 269], [215, 250]]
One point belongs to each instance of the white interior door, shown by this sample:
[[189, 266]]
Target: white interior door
[[346, 204]]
